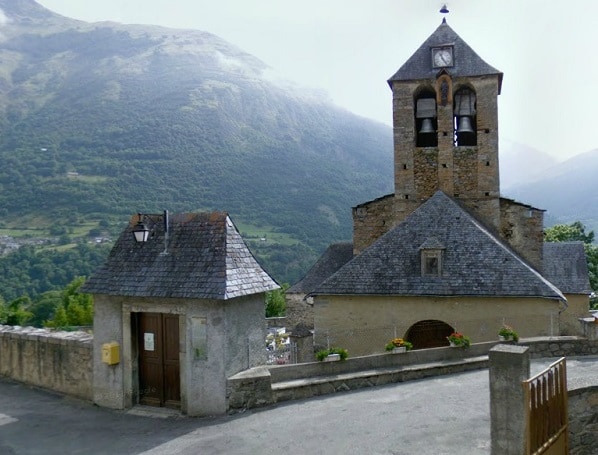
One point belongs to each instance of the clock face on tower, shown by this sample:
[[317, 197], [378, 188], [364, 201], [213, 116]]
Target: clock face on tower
[[442, 56]]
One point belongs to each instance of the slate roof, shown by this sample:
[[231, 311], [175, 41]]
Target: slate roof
[[335, 256], [565, 265], [474, 262], [466, 61], [202, 256]]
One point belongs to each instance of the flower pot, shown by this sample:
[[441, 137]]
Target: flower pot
[[332, 358], [399, 350], [453, 345]]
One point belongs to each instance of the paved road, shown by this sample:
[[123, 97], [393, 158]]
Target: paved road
[[431, 416]]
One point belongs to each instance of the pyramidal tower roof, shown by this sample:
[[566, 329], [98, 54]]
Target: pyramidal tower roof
[[466, 61]]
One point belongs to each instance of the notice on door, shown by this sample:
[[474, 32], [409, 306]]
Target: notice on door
[[148, 342]]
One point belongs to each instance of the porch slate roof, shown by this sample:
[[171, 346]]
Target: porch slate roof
[[565, 265], [335, 256], [201, 256], [474, 262], [466, 61]]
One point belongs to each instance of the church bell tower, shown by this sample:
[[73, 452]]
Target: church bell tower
[[445, 122], [445, 128]]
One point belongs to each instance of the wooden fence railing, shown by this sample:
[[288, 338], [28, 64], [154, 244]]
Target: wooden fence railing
[[546, 411]]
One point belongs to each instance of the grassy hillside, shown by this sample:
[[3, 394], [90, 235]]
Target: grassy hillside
[[100, 121]]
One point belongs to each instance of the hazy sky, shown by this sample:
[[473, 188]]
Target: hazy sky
[[548, 53]]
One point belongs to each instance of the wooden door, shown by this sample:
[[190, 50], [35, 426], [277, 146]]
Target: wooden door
[[159, 366]]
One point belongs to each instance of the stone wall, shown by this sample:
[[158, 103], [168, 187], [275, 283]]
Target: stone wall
[[60, 361], [522, 227], [560, 347], [373, 219], [298, 310], [268, 385], [583, 421]]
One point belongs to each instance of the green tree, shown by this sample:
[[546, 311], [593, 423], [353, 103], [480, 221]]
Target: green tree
[[16, 313], [569, 232], [44, 307], [577, 232], [32, 271], [75, 309], [275, 302]]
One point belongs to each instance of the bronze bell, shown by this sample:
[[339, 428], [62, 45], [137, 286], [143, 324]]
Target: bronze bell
[[465, 125], [427, 127]]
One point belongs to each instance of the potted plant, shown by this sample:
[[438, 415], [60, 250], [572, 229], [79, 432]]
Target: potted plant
[[397, 345], [332, 354], [458, 340], [506, 333]]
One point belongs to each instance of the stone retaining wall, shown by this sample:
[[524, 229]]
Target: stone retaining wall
[[583, 421], [267, 385], [542, 347], [60, 361], [270, 384]]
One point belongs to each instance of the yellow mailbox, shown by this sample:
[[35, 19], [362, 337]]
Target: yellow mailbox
[[110, 353]]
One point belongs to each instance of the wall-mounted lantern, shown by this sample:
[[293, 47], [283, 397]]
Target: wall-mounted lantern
[[141, 231]]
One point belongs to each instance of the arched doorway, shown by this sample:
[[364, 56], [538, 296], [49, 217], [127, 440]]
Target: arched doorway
[[429, 334]]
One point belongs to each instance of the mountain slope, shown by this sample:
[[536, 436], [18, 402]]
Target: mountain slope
[[521, 163], [568, 191], [107, 119]]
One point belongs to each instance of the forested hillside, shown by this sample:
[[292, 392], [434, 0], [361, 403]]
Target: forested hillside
[[101, 121]]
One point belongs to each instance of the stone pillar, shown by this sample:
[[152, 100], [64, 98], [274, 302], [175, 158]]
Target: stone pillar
[[589, 327], [302, 336], [509, 367]]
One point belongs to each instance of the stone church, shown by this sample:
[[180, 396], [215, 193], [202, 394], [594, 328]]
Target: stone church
[[445, 252]]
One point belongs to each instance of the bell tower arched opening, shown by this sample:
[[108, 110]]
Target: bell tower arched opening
[[464, 117], [426, 122]]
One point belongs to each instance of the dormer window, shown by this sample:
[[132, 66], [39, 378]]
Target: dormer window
[[431, 253], [431, 262]]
